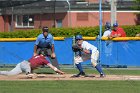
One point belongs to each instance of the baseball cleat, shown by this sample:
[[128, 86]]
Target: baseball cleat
[[80, 74], [102, 75]]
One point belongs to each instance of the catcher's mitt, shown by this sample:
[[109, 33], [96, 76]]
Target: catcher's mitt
[[76, 48]]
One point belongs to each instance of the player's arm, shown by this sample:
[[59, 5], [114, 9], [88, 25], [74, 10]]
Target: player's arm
[[55, 69], [35, 46], [52, 48], [35, 50], [112, 35]]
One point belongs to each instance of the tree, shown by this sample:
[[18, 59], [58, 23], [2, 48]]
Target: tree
[[138, 5]]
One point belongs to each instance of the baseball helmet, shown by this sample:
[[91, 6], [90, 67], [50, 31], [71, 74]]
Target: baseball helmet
[[115, 24], [45, 29], [107, 25], [78, 37]]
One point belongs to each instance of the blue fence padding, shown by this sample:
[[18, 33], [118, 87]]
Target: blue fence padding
[[64, 51], [14, 52], [121, 53], [112, 52]]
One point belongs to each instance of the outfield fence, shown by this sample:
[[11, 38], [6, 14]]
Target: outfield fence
[[118, 52]]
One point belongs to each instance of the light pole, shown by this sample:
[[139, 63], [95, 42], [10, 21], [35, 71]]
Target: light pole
[[12, 20], [69, 14], [113, 11], [100, 25], [54, 14]]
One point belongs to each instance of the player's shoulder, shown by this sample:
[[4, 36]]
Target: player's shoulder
[[40, 35], [50, 35], [120, 28], [106, 33], [85, 42]]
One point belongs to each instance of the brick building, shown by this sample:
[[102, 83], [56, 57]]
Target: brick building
[[34, 14]]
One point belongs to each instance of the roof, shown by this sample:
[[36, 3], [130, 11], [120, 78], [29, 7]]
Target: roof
[[51, 6], [12, 3]]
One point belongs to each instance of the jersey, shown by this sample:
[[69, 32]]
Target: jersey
[[43, 42], [88, 46], [107, 33], [119, 31], [37, 61], [93, 56]]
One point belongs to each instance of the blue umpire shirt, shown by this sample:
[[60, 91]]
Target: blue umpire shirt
[[43, 42]]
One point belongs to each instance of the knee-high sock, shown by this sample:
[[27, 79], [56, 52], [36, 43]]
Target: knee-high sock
[[79, 67], [99, 69]]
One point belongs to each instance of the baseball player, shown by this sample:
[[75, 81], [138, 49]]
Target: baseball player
[[117, 31], [31, 64], [86, 51], [107, 30], [107, 33], [45, 41]]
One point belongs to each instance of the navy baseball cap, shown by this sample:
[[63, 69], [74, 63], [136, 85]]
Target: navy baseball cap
[[79, 37], [45, 29], [107, 25], [115, 25]]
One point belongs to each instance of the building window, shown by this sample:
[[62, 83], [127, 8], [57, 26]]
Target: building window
[[59, 23], [24, 21], [82, 16]]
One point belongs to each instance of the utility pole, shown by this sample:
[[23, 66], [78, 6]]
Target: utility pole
[[54, 15], [100, 24], [113, 11], [12, 20], [69, 14]]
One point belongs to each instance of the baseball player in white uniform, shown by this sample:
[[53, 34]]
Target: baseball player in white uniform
[[88, 51], [107, 30]]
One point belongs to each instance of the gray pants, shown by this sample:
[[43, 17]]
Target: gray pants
[[23, 66]]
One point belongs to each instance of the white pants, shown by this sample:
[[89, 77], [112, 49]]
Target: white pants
[[24, 66], [93, 57]]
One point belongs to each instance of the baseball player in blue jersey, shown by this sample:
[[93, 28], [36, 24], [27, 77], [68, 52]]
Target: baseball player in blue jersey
[[45, 41], [85, 52]]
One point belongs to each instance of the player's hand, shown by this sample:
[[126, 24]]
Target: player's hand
[[86, 51], [32, 76], [53, 55], [60, 72]]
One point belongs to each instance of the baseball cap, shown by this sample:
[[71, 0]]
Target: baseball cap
[[115, 25], [78, 37], [45, 29]]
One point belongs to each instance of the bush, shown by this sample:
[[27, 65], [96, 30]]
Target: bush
[[67, 32]]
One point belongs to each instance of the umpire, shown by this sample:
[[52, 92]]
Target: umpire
[[45, 41]]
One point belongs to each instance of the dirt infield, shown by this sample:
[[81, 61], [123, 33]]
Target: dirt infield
[[68, 77]]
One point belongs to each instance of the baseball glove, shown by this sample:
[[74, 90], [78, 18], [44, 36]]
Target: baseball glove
[[76, 48]]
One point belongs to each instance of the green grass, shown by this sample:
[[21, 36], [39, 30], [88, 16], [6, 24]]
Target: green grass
[[108, 71], [76, 86], [69, 86]]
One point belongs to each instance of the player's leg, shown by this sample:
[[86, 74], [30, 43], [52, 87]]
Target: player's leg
[[25, 66], [94, 58], [77, 61], [14, 71]]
